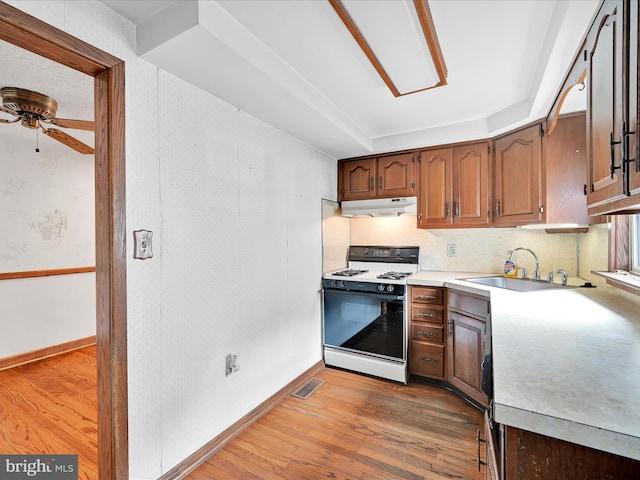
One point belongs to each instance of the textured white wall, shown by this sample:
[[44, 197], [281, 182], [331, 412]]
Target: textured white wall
[[47, 217], [209, 187], [240, 263], [41, 312]]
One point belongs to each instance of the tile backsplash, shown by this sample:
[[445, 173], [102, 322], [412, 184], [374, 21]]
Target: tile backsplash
[[483, 249]]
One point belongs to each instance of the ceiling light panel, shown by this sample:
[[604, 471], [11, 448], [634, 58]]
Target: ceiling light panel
[[395, 36]]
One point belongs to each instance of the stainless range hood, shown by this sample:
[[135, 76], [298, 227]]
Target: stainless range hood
[[379, 207]]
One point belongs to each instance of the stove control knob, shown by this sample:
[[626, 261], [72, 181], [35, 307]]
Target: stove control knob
[[340, 284], [389, 288], [334, 283], [381, 288]]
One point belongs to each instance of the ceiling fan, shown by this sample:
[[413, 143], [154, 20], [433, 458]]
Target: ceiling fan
[[35, 110]]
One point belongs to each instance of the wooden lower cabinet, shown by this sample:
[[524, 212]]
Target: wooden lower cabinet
[[530, 456], [467, 315], [492, 471], [447, 335], [427, 351]]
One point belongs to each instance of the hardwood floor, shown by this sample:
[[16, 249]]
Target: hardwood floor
[[356, 427], [50, 407], [352, 427]]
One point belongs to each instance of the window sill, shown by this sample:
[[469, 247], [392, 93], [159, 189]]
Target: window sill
[[623, 280]]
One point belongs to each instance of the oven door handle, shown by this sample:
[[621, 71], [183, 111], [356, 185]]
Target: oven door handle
[[382, 296]]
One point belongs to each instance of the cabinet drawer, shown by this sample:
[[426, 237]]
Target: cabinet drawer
[[465, 302], [433, 314], [427, 332], [426, 359], [426, 295]]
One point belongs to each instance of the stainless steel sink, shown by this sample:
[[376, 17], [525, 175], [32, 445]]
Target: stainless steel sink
[[516, 284]]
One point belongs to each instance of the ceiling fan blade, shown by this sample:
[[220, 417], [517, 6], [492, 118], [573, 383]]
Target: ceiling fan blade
[[68, 140], [75, 124]]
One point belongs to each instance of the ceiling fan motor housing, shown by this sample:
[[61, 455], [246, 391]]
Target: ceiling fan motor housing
[[27, 102]]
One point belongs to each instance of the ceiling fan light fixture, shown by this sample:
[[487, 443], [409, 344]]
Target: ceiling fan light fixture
[[30, 122], [34, 109]]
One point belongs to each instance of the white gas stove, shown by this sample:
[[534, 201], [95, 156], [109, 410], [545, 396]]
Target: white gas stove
[[365, 314]]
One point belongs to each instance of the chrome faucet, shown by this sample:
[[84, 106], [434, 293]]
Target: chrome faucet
[[561, 272], [536, 275]]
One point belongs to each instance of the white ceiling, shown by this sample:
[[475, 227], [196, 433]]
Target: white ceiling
[[293, 64]]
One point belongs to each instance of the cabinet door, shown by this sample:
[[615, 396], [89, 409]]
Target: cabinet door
[[491, 453], [395, 176], [634, 100], [531, 456], [466, 336], [358, 177], [605, 102], [471, 184], [565, 159], [518, 179], [435, 188]]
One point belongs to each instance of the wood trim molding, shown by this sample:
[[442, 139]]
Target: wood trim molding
[[619, 243], [25, 31], [192, 462], [431, 39], [45, 273], [42, 353], [621, 281]]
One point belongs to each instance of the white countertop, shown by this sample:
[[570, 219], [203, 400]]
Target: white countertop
[[566, 363]]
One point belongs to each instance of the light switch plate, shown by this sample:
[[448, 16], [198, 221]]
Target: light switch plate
[[142, 244]]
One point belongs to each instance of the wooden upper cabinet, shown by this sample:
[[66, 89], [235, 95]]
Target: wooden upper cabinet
[[605, 72], [358, 177], [380, 177], [396, 176], [471, 184], [634, 99], [518, 177], [435, 188], [454, 186], [565, 167]]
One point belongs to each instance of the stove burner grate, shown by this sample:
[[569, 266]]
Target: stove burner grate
[[394, 275], [350, 272]]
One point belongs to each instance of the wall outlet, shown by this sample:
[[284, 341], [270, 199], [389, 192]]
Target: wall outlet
[[231, 364], [452, 250]]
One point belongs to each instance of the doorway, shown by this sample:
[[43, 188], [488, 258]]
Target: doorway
[[24, 31]]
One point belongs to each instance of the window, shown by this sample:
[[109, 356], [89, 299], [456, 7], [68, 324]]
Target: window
[[634, 244]]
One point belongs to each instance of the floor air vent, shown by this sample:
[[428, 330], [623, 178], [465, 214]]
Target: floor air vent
[[310, 387]]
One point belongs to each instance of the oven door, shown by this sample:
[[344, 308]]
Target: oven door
[[365, 323]]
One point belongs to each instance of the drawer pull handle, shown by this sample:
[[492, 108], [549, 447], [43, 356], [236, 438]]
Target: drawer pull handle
[[427, 359], [426, 297], [431, 334], [431, 315]]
